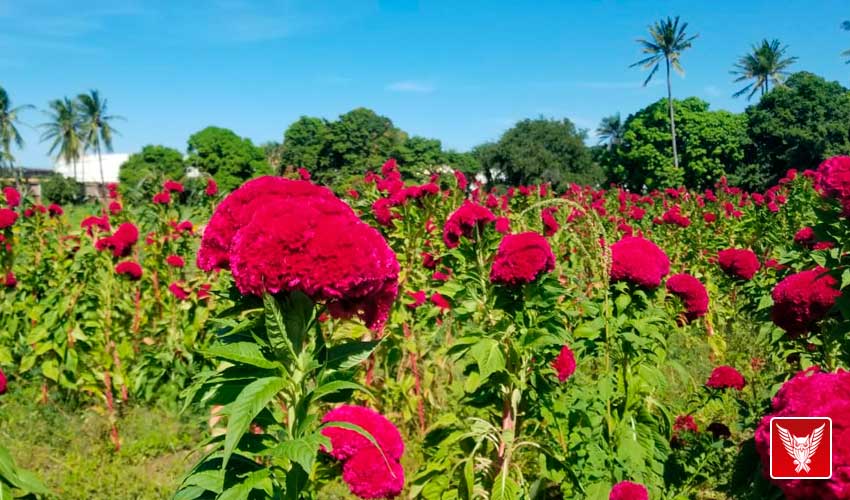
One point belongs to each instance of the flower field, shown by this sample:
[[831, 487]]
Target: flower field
[[439, 340]]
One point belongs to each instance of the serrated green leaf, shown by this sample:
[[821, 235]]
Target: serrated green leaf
[[489, 357], [301, 451], [241, 352], [350, 354], [253, 398]]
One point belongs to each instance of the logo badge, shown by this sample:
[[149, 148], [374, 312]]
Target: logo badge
[[800, 448]]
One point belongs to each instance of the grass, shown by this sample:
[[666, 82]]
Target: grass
[[68, 447]]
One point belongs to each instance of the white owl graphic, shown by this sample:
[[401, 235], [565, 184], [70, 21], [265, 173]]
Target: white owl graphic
[[801, 449]]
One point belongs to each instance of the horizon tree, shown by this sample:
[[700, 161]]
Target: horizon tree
[[667, 40], [765, 64], [610, 131], [63, 130], [95, 126], [9, 134]]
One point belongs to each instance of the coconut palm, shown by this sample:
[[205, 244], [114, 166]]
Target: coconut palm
[[846, 27], [766, 64], [63, 130], [667, 40], [95, 126], [9, 119], [611, 130]]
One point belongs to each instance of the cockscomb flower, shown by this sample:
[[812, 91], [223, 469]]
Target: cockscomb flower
[[438, 300], [550, 224], [7, 217], [418, 297], [521, 258], [172, 186], [834, 178], [503, 225], [178, 290], [802, 299], [638, 261], [115, 208], [345, 443], [813, 393], [129, 268], [564, 364], [55, 210], [93, 221], [13, 197], [163, 198], [9, 280], [121, 243], [464, 221], [724, 377], [739, 263], [369, 474], [627, 490], [212, 187], [175, 261], [303, 174], [692, 293]]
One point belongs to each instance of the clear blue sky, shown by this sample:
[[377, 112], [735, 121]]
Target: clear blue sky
[[460, 71]]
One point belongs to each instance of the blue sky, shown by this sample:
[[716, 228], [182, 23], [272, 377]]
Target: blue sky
[[459, 71]]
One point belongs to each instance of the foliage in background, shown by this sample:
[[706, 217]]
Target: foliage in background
[[56, 188], [228, 158], [142, 175]]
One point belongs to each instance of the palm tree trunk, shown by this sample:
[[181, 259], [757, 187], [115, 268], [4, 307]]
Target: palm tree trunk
[[102, 180], [672, 119]]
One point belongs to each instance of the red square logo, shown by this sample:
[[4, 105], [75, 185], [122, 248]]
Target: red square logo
[[801, 448]]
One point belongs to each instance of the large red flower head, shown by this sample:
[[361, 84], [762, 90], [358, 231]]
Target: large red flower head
[[3, 382], [372, 475], [813, 393], [565, 364], [627, 490], [724, 377], [13, 197], [803, 299], [93, 221], [7, 217], [738, 262], [834, 178], [692, 292], [521, 258], [129, 268], [212, 187], [464, 221], [121, 243], [283, 235], [638, 261], [345, 443]]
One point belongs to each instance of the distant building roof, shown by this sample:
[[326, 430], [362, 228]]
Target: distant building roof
[[88, 168]]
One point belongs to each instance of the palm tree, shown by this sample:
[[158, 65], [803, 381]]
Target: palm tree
[[667, 42], [846, 27], [765, 64], [95, 126], [63, 130], [611, 130], [9, 118]]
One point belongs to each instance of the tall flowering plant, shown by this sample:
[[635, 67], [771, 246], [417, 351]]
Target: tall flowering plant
[[296, 253]]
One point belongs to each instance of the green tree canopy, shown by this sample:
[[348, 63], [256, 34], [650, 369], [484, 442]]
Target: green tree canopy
[[143, 173], [710, 143], [230, 159], [358, 141], [798, 125], [417, 155], [304, 143], [541, 150]]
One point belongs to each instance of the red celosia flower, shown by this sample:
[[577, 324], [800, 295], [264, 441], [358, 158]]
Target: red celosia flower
[[345, 443], [692, 292], [521, 258], [738, 262], [709, 217], [3, 382], [175, 261], [287, 238], [638, 261], [185, 226], [464, 221], [674, 216], [115, 208], [550, 224], [354, 194], [440, 301], [503, 225], [369, 474], [419, 298], [685, 423], [440, 276], [91, 222], [163, 198], [179, 291], [805, 237], [121, 243], [204, 291], [823, 245], [627, 490], [724, 377], [13, 197], [461, 180], [429, 261], [172, 186], [7, 217], [28, 212], [803, 299], [834, 178], [381, 211], [55, 210], [813, 393], [212, 187], [130, 269], [10, 281], [303, 174], [565, 364]]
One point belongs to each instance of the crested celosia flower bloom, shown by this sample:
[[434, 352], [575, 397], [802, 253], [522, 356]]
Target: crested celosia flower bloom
[[278, 235], [738, 262], [369, 474], [638, 261], [803, 299], [685, 423], [55, 210], [121, 243], [565, 364], [115, 208], [461, 180], [212, 187], [175, 261], [464, 221], [521, 258], [419, 298], [834, 178], [92, 222], [163, 198], [172, 186], [303, 174], [9, 280], [692, 293], [3, 382], [129, 268], [813, 393], [13, 197], [438, 300], [724, 377], [345, 443], [178, 290], [627, 490], [503, 225], [7, 217], [550, 224], [805, 237]]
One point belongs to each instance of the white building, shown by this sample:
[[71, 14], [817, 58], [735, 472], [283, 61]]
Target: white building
[[88, 168]]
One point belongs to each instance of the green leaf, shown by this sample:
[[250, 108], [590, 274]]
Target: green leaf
[[335, 386], [50, 369], [301, 451], [276, 330], [253, 398], [504, 488], [488, 354], [299, 313], [350, 354], [258, 479], [241, 352]]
